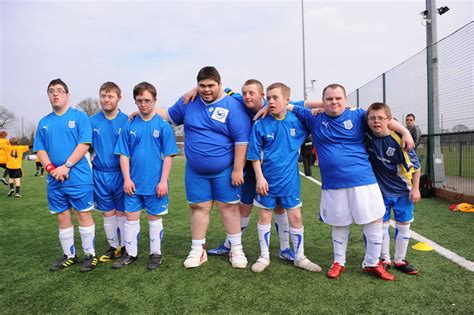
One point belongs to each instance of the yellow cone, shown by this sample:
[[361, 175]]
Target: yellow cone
[[422, 246]]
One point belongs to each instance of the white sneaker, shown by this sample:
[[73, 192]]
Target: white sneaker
[[306, 264], [261, 264], [237, 257], [196, 257]]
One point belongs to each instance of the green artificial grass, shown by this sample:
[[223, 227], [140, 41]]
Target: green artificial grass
[[29, 245]]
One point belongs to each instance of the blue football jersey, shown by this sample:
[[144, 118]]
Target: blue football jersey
[[59, 136], [146, 143], [105, 133], [392, 165], [276, 143], [339, 141], [211, 131]]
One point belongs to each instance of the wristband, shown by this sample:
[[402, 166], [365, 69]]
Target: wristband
[[50, 167]]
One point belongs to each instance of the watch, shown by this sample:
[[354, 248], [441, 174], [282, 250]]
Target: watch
[[68, 164]]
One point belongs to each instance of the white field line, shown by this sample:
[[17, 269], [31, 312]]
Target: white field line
[[461, 261]]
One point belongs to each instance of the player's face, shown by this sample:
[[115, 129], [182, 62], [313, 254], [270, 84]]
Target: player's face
[[410, 122], [276, 103], [145, 103], [209, 90], [109, 100], [378, 122], [58, 96], [253, 98], [334, 102]]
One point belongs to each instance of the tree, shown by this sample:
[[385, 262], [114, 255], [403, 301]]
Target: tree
[[460, 128], [90, 106], [6, 117]]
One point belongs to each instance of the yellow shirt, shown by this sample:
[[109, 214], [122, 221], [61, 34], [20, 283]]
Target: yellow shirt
[[14, 155], [3, 154]]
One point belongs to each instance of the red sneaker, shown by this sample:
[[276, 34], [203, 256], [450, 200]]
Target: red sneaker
[[335, 271], [379, 272]]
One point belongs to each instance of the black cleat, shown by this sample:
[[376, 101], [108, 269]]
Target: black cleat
[[17, 195], [385, 263], [111, 253], [10, 193], [406, 267], [123, 261], [155, 261], [63, 262], [4, 181], [89, 263]]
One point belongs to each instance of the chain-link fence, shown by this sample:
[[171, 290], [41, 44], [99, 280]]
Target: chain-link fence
[[448, 141]]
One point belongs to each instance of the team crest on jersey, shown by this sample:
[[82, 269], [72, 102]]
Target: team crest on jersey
[[348, 124], [71, 124], [390, 151], [220, 114], [292, 132], [156, 133]]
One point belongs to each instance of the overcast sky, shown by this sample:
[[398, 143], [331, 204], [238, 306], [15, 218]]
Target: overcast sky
[[86, 43]]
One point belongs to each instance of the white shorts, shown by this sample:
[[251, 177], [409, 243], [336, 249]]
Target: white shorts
[[361, 204]]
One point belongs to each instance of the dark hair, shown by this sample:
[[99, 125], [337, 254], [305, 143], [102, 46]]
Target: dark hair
[[14, 141], [58, 81], [285, 90], [111, 86], [378, 106], [142, 87], [412, 115], [334, 86], [256, 82], [209, 72]]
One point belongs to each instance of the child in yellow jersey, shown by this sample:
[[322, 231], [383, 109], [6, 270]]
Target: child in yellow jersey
[[14, 154], [39, 167], [3, 156]]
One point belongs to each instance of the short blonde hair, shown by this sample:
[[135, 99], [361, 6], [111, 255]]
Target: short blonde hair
[[285, 89]]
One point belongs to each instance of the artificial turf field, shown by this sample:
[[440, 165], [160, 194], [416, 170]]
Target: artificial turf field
[[29, 244]]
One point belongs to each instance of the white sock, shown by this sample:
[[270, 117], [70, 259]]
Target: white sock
[[227, 242], [66, 238], [156, 234], [198, 243], [110, 228], [264, 239], [132, 230], [244, 222], [402, 238], [87, 237], [235, 239], [340, 238], [282, 226], [121, 229], [373, 235], [297, 238], [385, 252]]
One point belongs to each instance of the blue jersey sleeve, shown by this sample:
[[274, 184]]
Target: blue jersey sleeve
[[168, 141], [239, 125], [297, 103], [39, 143], [177, 111], [255, 143], [84, 128], [304, 115], [122, 147], [414, 159]]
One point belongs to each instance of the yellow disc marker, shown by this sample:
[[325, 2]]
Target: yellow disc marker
[[422, 246]]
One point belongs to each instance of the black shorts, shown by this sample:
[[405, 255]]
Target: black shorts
[[15, 172], [39, 164], [3, 166]]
